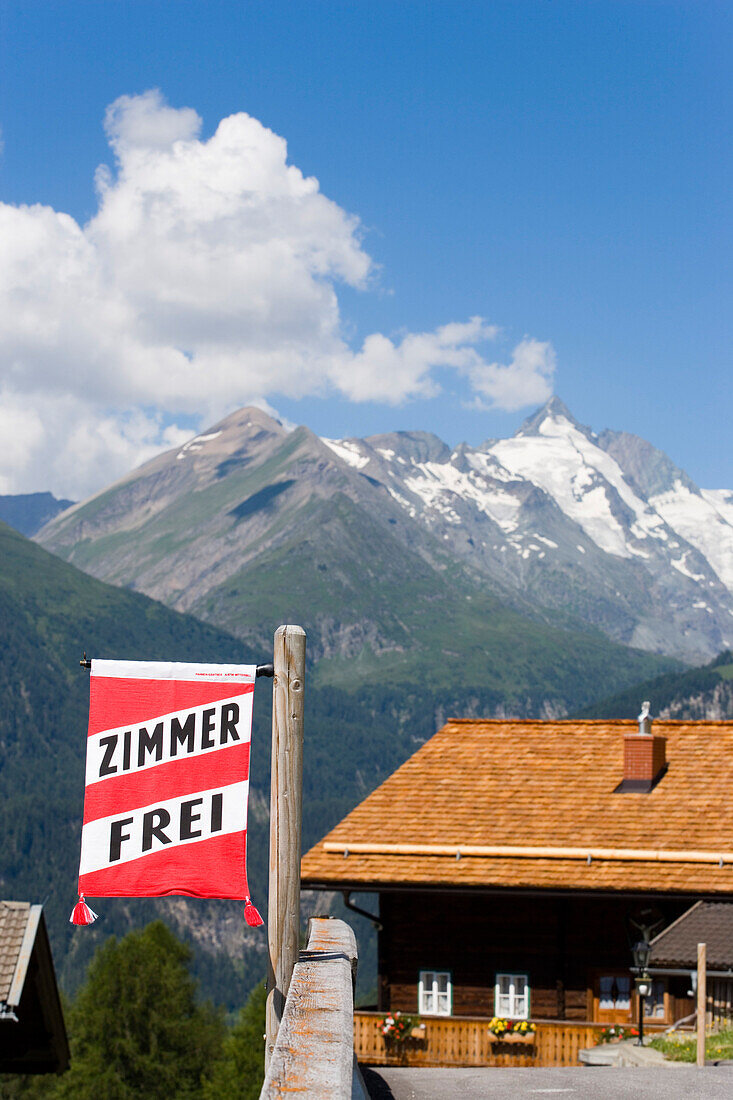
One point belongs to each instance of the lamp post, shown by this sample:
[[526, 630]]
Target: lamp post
[[642, 980]]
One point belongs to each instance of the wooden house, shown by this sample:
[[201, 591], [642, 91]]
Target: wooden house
[[674, 954], [514, 861], [32, 1031]]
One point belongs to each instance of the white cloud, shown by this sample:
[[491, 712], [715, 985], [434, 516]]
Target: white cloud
[[526, 380], [206, 280], [66, 444], [390, 372], [147, 122]]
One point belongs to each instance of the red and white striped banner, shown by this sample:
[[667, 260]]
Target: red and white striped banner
[[167, 780]]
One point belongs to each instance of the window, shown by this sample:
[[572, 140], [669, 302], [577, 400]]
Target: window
[[654, 1003], [435, 993], [511, 996], [615, 995]]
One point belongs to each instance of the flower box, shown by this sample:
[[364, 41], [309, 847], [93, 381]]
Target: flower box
[[513, 1037], [616, 1033], [398, 1028]]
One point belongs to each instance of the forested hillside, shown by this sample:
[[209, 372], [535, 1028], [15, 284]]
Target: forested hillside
[[704, 693], [50, 613]]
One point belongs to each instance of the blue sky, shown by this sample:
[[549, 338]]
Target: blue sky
[[560, 169]]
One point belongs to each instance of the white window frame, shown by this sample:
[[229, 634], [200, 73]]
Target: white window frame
[[513, 1014], [427, 986]]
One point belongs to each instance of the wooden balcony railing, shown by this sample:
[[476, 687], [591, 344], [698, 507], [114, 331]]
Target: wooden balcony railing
[[465, 1041]]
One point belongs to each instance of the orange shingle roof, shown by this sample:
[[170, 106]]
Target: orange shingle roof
[[542, 784]]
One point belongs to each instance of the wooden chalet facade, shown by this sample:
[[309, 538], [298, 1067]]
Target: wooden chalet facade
[[511, 858]]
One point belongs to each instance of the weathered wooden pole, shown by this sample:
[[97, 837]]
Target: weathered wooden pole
[[701, 1001], [286, 803]]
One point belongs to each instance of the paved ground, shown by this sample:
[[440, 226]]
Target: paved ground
[[666, 1083]]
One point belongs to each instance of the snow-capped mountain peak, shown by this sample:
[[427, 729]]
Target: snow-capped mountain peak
[[587, 521], [603, 527], [549, 419]]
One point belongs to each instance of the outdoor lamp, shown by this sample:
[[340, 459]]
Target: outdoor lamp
[[642, 953], [643, 985]]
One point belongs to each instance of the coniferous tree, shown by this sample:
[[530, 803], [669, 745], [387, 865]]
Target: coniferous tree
[[136, 1029], [240, 1072]]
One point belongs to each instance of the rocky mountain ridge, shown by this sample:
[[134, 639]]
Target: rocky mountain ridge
[[28, 512], [605, 527], [557, 525]]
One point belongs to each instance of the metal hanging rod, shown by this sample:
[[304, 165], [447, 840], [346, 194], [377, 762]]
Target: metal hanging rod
[[261, 670]]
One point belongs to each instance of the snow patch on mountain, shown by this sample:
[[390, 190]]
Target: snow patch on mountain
[[486, 463], [705, 520], [654, 565], [439, 485], [195, 444], [576, 473], [348, 452]]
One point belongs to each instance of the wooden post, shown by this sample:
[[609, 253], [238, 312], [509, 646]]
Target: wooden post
[[701, 1001], [286, 799]]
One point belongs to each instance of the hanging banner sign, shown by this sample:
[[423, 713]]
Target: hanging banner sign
[[167, 782]]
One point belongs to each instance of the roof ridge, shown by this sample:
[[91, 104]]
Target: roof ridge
[[585, 722], [677, 921]]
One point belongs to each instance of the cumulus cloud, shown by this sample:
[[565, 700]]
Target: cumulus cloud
[[526, 380], [391, 372], [207, 279]]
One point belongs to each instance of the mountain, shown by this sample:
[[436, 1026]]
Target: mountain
[[603, 527], [249, 525], [379, 542], [50, 612], [28, 512], [699, 694]]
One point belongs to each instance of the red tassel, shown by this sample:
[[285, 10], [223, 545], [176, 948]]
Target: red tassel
[[252, 917], [81, 913]]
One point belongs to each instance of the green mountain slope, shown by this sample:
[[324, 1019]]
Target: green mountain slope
[[410, 624], [704, 693]]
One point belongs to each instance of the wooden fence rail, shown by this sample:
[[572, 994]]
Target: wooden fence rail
[[314, 1050], [465, 1041]]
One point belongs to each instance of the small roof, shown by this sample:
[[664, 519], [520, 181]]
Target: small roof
[[32, 1032], [510, 785], [708, 922], [13, 923]]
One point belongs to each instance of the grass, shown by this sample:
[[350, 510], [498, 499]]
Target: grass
[[680, 1046]]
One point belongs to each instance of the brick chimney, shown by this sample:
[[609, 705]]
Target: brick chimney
[[645, 757]]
